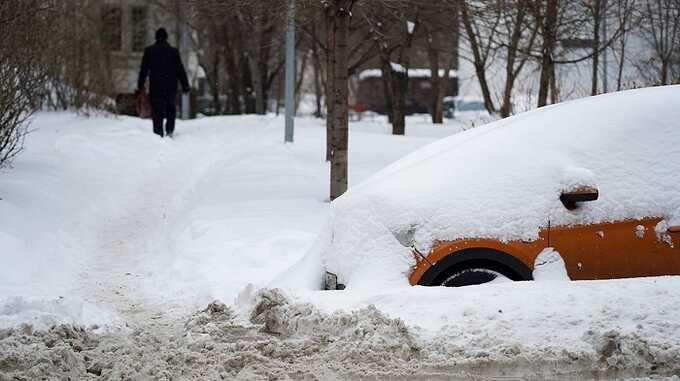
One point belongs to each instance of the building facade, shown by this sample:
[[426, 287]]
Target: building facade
[[128, 27]]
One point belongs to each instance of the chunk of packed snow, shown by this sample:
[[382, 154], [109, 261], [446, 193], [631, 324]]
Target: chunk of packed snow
[[661, 230], [410, 26], [549, 265]]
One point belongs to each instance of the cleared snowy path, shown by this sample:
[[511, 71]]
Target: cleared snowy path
[[133, 245]]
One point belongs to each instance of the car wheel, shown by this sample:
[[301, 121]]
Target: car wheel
[[472, 276]]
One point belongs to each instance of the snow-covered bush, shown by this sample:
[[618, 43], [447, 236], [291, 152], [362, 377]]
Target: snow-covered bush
[[23, 27], [81, 71]]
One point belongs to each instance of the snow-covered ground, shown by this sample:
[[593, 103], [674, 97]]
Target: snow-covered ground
[[106, 226], [102, 210]]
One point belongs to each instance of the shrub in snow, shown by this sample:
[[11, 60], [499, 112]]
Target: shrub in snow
[[22, 71]]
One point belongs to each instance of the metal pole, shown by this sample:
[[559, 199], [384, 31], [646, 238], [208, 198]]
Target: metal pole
[[290, 73], [184, 51]]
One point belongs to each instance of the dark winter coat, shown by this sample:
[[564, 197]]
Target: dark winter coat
[[163, 65]]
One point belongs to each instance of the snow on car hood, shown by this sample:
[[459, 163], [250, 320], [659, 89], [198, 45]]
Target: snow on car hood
[[503, 181]]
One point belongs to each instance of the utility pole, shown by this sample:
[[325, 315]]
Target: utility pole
[[290, 73]]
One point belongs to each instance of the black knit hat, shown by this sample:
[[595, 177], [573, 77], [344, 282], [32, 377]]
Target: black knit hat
[[161, 34]]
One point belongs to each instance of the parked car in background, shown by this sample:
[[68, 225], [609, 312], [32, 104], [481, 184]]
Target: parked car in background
[[464, 105], [597, 179]]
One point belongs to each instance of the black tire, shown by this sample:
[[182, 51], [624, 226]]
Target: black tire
[[474, 266], [470, 277]]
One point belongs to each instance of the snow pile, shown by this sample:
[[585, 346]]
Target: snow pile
[[289, 340], [503, 181], [369, 331], [549, 265], [56, 353], [43, 314], [212, 345]]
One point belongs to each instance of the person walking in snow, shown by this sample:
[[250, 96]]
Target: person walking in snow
[[163, 65]]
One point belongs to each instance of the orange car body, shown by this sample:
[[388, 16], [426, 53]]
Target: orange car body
[[632, 248]]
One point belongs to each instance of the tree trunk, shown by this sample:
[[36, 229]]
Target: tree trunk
[[258, 86], [231, 59], [316, 61], [300, 79], [664, 71], [246, 83], [279, 95], [511, 72], [547, 59], [235, 82], [215, 84], [478, 61], [256, 68], [400, 83], [596, 44], [400, 88], [340, 127], [554, 90], [387, 81], [330, 77], [622, 56], [436, 107]]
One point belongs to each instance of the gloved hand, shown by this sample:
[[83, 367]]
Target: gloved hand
[[185, 90]]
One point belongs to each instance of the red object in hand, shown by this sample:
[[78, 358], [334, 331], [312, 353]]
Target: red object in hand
[[143, 105]]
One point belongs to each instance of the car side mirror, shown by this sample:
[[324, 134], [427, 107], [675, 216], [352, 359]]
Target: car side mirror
[[571, 198]]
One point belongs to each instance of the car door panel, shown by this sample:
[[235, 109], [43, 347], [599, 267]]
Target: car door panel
[[623, 249], [578, 246], [629, 249]]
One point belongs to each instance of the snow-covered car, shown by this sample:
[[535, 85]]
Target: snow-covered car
[[597, 179]]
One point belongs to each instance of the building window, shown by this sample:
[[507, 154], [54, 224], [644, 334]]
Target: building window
[[112, 20], [139, 28]]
